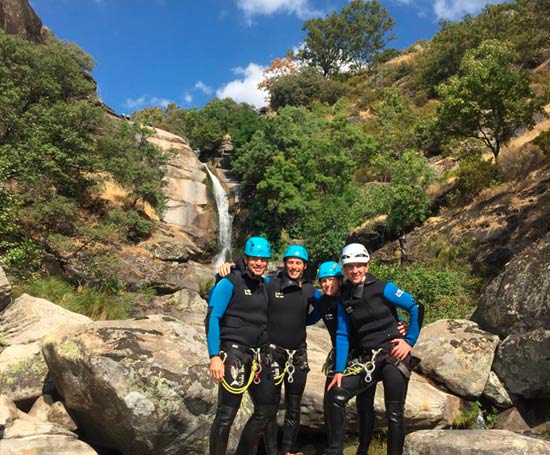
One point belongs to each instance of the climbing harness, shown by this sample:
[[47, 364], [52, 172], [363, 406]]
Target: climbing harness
[[255, 371], [356, 366], [289, 367]]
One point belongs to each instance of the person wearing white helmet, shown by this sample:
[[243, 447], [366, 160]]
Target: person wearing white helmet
[[368, 328]]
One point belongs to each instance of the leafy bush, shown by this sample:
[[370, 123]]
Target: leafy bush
[[474, 174], [542, 141], [21, 258], [444, 293], [469, 417], [84, 300], [133, 225], [304, 88]]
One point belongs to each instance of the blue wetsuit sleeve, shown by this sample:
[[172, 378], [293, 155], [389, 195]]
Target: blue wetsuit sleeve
[[220, 296], [406, 301], [342, 339], [314, 315]]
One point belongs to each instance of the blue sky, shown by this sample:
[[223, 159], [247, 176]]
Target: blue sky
[[152, 52]]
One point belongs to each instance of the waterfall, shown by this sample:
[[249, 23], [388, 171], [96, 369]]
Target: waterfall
[[225, 221]]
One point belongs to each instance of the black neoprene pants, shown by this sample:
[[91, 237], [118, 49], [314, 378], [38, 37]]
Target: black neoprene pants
[[263, 398], [395, 390], [293, 396]]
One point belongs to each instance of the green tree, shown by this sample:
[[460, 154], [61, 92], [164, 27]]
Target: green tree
[[56, 145], [367, 27], [490, 99], [297, 176], [324, 45], [304, 88], [352, 37]]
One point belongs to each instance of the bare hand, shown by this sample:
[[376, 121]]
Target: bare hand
[[402, 328], [225, 269], [401, 348], [216, 368], [336, 381]]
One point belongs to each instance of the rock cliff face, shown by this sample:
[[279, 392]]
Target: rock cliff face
[[188, 204], [18, 18]]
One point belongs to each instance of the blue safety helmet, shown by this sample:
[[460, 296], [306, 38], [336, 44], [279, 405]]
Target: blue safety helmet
[[327, 269], [257, 247], [296, 251]]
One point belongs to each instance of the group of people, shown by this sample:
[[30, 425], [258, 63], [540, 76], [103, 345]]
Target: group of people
[[256, 335]]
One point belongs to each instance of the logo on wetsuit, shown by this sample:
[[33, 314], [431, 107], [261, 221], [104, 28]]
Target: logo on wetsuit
[[279, 295], [399, 293], [247, 292]]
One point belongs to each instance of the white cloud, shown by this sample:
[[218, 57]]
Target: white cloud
[[146, 100], [456, 9], [301, 8], [200, 85], [245, 89], [188, 98]]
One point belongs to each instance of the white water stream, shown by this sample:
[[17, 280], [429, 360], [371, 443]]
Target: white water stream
[[225, 221]]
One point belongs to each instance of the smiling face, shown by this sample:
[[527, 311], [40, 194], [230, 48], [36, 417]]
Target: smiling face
[[295, 268], [330, 285], [256, 265], [356, 271]]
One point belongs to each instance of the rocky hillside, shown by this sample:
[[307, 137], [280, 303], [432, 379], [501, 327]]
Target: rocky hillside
[[17, 17]]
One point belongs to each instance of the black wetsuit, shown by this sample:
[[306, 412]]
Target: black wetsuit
[[370, 308], [288, 308], [237, 323]]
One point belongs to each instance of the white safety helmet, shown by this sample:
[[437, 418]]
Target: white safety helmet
[[353, 253]]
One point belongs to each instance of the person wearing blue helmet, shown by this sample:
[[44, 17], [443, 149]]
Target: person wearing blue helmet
[[367, 323], [238, 348], [291, 298]]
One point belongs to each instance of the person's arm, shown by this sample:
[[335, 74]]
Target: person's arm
[[219, 299], [405, 301], [341, 348], [314, 315], [220, 296]]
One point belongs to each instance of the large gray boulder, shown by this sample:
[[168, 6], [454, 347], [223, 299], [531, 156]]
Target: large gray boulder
[[22, 434], [522, 362], [5, 290], [519, 298], [458, 354], [477, 442], [138, 386], [23, 372]]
